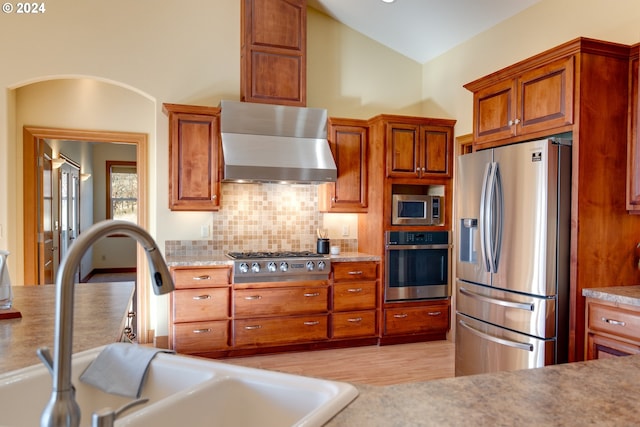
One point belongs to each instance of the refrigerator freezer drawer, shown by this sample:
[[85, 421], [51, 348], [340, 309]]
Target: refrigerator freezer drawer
[[483, 348], [523, 313]]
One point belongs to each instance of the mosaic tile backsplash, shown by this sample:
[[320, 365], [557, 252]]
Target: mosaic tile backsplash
[[261, 217]]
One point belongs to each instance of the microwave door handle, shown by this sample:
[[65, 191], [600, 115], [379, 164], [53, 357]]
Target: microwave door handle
[[483, 218]]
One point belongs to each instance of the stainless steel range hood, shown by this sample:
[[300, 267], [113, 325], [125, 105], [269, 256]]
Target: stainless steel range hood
[[275, 143]]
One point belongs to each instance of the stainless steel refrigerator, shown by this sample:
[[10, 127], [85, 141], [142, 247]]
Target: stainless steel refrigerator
[[513, 218]]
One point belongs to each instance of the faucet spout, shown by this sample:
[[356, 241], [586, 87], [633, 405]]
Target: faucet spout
[[62, 409]]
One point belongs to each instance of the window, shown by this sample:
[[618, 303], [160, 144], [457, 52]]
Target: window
[[122, 191]]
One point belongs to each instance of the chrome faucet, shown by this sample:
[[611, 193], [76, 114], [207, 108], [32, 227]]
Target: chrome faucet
[[62, 409]]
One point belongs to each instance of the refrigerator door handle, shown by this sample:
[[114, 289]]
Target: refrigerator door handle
[[497, 206], [484, 217], [502, 341], [503, 303]]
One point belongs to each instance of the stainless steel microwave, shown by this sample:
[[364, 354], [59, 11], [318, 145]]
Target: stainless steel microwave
[[417, 209]]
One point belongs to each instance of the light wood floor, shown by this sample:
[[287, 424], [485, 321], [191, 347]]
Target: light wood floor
[[373, 365]]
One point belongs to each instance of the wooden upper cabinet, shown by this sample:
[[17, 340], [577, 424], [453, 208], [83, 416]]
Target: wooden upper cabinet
[[535, 100], [194, 155], [273, 65], [633, 144], [348, 139], [419, 151]]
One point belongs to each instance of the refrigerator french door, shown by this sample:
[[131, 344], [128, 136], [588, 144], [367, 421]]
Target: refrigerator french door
[[512, 264]]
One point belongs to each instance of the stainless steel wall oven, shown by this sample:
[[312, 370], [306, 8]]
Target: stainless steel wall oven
[[417, 265]]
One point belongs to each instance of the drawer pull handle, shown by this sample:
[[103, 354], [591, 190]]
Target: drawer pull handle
[[355, 273], [202, 331], [354, 290], [613, 322], [400, 316], [311, 323], [203, 277], [355, 320], [312, 294], [252, 327], [253, 297], [201, 297], [434, 313]]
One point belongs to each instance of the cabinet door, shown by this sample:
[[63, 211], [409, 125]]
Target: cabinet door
[[200, 337], [283, 301], [545, 97], [436, 151], [599, 347], [194, 144], [633, 144], [402, 150], [494, 109], [348, 140], [428, 319], [280, 330], [353, 324], [273, 64]]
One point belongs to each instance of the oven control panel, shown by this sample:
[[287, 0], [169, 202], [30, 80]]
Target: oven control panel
[[417, 238]]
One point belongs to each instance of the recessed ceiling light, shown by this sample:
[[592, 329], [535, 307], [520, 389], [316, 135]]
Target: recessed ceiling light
[[388, 1]]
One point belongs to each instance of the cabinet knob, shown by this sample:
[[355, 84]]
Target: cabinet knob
[[215, 196]]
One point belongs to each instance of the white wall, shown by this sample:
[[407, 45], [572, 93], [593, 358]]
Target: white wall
[[543, 26]]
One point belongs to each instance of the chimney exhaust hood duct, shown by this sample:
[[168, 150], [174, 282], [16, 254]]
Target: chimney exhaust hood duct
[[275, 143]]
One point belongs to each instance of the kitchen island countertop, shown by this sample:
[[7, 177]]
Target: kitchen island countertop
[[100, 313], [598, 392]]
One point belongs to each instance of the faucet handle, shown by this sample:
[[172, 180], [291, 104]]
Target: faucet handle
[[45, 355], [106, 417]]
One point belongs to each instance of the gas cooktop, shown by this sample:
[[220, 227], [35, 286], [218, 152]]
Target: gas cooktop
[[265, 255], [249, 267]]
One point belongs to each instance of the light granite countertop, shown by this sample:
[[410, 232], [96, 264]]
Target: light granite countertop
[[598, 392], [99, 318], [222, 259], [629, 295]]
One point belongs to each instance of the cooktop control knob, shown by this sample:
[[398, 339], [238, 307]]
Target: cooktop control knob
[[321, 265], [284, 266], [310, 265], [271, 267], [255, 267], [244, 267]]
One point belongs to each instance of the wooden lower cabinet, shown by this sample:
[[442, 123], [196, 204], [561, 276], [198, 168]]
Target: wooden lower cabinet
[[199, 309], [280, 330], [354, 300], [612, 329], [432, 318], [353, 324]]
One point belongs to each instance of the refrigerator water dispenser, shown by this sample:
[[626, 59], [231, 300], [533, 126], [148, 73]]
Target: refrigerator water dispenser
[[468, 230]]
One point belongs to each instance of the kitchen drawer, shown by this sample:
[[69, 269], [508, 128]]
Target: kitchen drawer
[[193, 305], [279, 301], [200, 337], [349, 271], [412, 320], [354, 296], [614, 320], [185, 278], [280, 330], [353, 324]]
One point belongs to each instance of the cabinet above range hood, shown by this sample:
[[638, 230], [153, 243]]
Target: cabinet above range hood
[[275, 143]]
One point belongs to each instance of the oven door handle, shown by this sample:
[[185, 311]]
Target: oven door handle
[[414, 247]]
